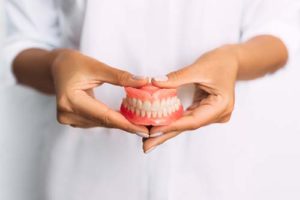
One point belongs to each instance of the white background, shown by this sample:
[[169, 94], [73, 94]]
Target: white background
[[19, 148], [278, 154], [1, 20]]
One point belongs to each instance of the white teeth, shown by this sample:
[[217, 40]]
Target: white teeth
[[165, 112], [155, 105], [173, 100], [169, 110], [169, 102], [177, 106], [173, 108], [139, 104], [157, 108], [166, 103], [147, 105], [137, 112], [163, 103], [159, 114], [143, 113], [134, 101], [154, 114], [149, 114]]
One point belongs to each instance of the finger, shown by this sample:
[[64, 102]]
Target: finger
[[199, 117], [74, 120], [175, 79], [150, 143], [121, 77], [97, 111], [156, 131], [182, 124]]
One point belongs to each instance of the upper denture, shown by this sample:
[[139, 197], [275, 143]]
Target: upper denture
[[149, 92]]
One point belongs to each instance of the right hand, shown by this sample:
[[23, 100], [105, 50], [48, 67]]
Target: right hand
[[75, 75]]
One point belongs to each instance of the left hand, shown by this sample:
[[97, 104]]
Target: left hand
[[214, 75]]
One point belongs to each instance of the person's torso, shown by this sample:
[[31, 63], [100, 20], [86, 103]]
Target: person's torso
[[148, 37], [154, 38]]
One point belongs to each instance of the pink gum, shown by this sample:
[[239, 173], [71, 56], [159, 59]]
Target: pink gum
[[150, 95]]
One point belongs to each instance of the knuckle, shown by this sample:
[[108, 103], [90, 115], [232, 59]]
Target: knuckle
[[228, 105], [74, 101], [62, 119], [63, 105], [227, 112], [225, 119], [229, 109], [65, 101]]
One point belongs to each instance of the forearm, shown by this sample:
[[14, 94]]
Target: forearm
[[256, 57], [32, 67], [260, 56]]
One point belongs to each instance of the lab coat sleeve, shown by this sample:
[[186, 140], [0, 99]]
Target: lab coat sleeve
[[29, 24], [280, 18]]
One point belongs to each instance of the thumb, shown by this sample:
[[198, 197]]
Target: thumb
[[175, 79], [123, 78]]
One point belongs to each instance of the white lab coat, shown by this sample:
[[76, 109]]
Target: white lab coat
[[238, 160]]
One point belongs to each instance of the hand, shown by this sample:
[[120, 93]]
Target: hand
[[214, 75], [75, 76]]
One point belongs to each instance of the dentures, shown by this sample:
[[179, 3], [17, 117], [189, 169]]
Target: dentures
[[151, 105]]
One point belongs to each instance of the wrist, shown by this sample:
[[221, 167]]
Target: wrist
[[55, 57], [227, 57], [56, 54], [232, 52]]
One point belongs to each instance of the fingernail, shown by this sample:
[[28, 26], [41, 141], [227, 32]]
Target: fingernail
[[150, 149], [144, 135], [135, 77], [161, 78], [156, 134]]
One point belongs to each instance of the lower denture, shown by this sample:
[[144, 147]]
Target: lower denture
[[151, 105]]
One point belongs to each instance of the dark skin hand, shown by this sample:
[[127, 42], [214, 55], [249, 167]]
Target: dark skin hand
[[72, 76], [214, 75]]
